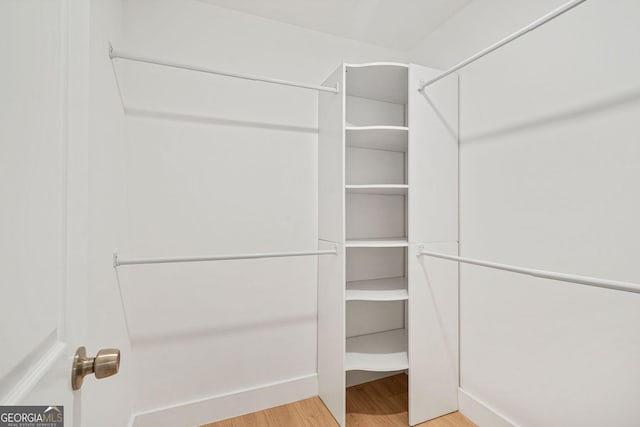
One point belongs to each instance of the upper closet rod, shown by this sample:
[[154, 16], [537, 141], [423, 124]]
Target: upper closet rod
[[571, 278], [113, 54], [118, 262], [535, 24]]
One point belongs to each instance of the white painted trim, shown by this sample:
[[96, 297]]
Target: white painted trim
[[228, 405], [481, 413], [34, 370], [377, 64]]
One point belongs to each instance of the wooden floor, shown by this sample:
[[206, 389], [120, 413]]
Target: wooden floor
[[378, 403]]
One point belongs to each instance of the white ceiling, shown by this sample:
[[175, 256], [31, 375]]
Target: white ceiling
[[396, 24]]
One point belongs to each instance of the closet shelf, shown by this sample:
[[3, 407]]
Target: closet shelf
[[389, 289], [379, 352], [385, 189], [389, 138], [400, 129], [389, 242]]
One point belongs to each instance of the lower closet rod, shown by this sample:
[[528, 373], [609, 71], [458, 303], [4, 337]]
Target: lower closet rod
[[118, 262], [571, 278]]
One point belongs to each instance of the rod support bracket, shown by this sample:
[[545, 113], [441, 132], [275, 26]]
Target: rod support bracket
[[337, 88], [115, 259], [110, 51]]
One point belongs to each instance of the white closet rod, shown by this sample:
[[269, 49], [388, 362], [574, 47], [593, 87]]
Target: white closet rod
[[113, 54], [535, 24], [118, 262], [571, 278]]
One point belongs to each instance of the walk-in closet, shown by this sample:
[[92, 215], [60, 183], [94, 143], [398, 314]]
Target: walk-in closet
[[336, 213]]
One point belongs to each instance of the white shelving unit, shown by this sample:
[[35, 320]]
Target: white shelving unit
[[372, 178], [376, 190]]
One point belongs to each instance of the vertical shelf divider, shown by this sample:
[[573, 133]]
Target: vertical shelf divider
[[433, 223]]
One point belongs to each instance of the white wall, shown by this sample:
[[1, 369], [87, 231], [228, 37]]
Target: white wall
[[549, 179], [218, 165]]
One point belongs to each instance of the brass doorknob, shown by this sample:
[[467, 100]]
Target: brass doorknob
[[105, 364]]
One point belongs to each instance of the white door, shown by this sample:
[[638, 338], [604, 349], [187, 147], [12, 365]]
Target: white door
[[44, 203]]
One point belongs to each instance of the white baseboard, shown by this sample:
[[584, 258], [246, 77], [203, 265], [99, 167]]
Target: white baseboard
[[481, 413], [228, 405]]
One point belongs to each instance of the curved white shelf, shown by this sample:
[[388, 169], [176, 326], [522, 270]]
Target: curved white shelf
[[380, 352], [381, 81], [402, 129], [377, 64], [390, 242], [386, 189], [390, 138], [390, 289]]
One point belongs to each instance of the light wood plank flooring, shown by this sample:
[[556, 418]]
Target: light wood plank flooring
[[378, 403]]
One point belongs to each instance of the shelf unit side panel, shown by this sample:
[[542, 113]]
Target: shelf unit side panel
[[433, 158], [331, 160], [331, 330], [433, 333]]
